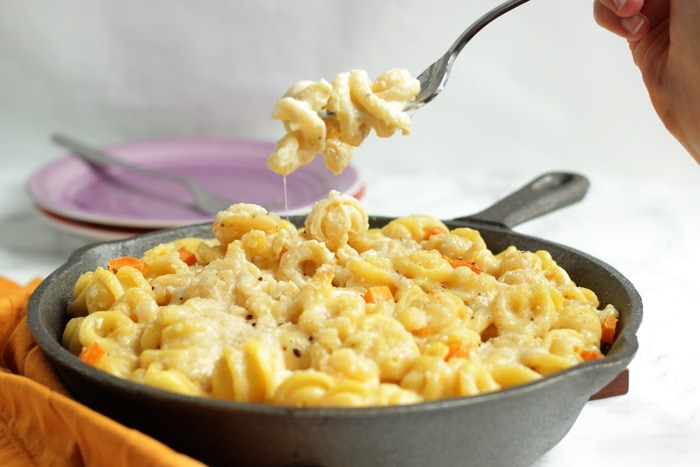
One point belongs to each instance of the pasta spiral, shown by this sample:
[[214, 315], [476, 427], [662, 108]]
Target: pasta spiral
[[354, 104]]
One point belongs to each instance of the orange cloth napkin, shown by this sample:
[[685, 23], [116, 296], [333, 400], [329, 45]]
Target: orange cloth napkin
[[39, 422]]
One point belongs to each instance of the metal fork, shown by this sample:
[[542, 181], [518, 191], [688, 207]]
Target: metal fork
[[434, 78], [204, 201]]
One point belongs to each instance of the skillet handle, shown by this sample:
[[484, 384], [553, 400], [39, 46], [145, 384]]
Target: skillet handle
[[544, 194]]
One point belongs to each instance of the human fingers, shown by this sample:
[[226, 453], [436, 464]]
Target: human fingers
[[658, 11], [624, 8], [632, 27]]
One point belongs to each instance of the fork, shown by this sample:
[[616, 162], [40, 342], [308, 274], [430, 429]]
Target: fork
[[434, 78], [204, 201]]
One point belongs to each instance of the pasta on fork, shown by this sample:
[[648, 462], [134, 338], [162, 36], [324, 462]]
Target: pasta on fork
[[334, 118]]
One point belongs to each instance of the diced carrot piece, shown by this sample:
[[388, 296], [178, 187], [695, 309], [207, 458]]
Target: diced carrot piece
[[115, 264], [455, 263], [92, 354], [378, 293], [588, 355], [456, 352], [609, 327], [433, 231], [187, 256]]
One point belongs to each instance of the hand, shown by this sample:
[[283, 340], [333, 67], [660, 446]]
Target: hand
[[664, 37]]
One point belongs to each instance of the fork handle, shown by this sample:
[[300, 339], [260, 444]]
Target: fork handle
[[101, 157], [480, 23]]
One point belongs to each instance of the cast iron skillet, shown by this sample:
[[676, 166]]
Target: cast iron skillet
[[509, 427]]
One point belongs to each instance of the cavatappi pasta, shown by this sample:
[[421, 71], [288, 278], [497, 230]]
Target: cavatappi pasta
[[356, 105], [334, 313]]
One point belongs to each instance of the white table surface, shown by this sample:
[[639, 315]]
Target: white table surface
[[541, 90]]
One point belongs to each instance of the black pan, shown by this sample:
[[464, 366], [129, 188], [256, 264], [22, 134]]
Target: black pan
[[510, 427]]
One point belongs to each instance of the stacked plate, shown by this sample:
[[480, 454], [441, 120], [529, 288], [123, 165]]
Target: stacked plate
[[109, 203]]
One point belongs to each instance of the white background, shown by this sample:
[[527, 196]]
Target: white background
[[543, 88]]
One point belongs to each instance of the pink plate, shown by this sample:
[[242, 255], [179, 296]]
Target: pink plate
[[236, 169]]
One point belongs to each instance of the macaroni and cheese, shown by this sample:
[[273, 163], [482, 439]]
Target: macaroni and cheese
[[334, 118], [334, 313]]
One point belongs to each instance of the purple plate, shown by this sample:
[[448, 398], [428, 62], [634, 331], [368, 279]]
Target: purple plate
[[236, 169]]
